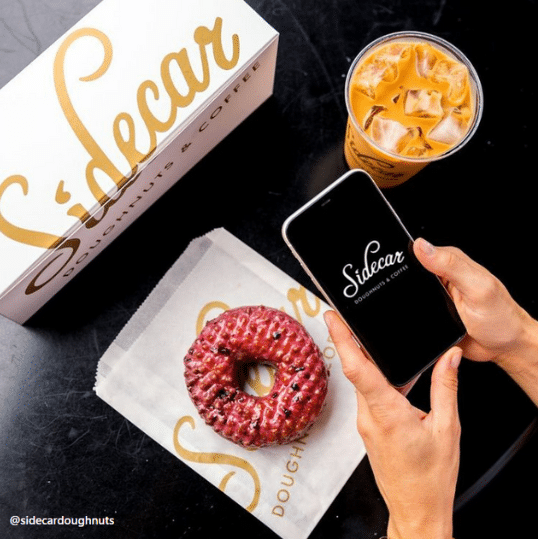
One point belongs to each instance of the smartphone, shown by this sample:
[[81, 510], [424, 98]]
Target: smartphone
[[360, 256]]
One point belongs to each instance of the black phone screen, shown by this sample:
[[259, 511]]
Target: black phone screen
[[400, 312]]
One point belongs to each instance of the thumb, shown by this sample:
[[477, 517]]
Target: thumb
[[444, 388], [450, 264], [357, 368]]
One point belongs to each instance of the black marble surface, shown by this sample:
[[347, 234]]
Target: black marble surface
[[65, 452]]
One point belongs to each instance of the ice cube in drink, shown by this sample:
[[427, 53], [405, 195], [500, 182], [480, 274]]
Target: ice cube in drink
[[412, 98], [412, 86]]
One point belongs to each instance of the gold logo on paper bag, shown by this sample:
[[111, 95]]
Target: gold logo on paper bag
[[298, 298], [218, 458], [123, 130]]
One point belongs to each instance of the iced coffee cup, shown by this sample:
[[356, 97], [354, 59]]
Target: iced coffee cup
[[412, 98]]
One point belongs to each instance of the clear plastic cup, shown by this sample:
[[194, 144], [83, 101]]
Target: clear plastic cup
[[383, 162]]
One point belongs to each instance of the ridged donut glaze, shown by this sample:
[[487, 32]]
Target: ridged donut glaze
[[268, 336]]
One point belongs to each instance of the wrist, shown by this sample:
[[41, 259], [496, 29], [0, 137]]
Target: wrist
[[521, 362], [427, 529], [523, 353]]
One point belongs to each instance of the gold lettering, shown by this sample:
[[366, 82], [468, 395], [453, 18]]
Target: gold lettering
[[254, 379], [93, 221], [78, 210], [36, 283], [123, 125], [202, 316], [301, 440], [204, 35], [278, 511], [218, 458], [292, 465], [153, 125], [127, 147], [22, 235], [298, 297], [296, 454], [329, 352], [62, 196], [99, 159], [181, 58], [290, 481]]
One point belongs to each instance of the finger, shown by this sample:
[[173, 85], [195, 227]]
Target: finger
[[358, 369], [450, 264], [444, 388]]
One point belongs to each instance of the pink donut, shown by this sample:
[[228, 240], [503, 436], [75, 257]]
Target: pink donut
[[268, 336]]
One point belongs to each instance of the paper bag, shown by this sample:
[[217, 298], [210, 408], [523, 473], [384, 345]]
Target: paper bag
[[287, 487]]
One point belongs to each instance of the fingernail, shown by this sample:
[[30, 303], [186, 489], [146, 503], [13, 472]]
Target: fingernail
[[455, 360], [426, 247]]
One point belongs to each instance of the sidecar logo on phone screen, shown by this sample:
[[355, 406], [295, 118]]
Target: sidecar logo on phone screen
[[364, 282]]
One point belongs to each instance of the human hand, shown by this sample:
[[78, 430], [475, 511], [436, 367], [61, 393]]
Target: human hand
[[498, 329], [414, 455], [495, 323]]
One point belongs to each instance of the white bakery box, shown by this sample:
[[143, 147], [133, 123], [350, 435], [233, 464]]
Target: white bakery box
[[107, 119]]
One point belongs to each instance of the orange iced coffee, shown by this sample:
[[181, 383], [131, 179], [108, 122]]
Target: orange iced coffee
[[412, 98]]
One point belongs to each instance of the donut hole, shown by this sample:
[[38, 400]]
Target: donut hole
[[256, 378]]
